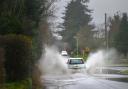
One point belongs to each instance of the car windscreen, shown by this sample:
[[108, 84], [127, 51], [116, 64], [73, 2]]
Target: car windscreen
[[76, 61]]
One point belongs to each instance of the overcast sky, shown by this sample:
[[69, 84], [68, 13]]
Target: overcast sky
[[100, 7]]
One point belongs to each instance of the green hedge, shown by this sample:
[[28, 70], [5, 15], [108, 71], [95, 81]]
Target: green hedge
[[24, 84], [18, 56]]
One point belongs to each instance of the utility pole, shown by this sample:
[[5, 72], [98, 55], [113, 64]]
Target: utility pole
[[77, 46], [106, 32], [106, 36]]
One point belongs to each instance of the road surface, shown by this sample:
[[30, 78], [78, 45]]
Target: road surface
[[114, 68], [80, 81]]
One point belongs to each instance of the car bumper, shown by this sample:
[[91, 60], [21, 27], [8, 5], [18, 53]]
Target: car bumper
[[77, 70]]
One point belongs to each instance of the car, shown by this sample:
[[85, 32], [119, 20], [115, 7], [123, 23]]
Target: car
[[76, 64], [65, 55]]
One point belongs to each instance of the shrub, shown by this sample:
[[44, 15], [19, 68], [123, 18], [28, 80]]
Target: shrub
[[18, 57], [24, 84]]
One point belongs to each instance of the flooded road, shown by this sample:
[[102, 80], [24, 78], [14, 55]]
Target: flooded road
[[56, 74], [80, 81], [122, 68]]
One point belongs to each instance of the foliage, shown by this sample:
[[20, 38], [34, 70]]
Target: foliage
[[44, 33], [84, 56], [24, 84], [2, 69], [10, 24], [21, 19], [114, 29], [118, 34], [77, 16], [18, 56], [85, 37], [19, 16], [122, 39]]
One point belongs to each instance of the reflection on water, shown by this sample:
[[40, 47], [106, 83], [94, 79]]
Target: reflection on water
[[112, 73]]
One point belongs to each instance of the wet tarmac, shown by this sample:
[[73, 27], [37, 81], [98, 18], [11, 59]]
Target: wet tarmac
[[80, 81]]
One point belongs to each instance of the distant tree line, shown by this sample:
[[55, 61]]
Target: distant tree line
[[118, 33]]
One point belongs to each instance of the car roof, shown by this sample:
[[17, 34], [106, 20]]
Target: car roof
[[64, 53], [76, 58]]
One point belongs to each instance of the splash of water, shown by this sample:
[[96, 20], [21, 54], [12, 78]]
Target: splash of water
[[94, 60], [52, 62], [99, 59]]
